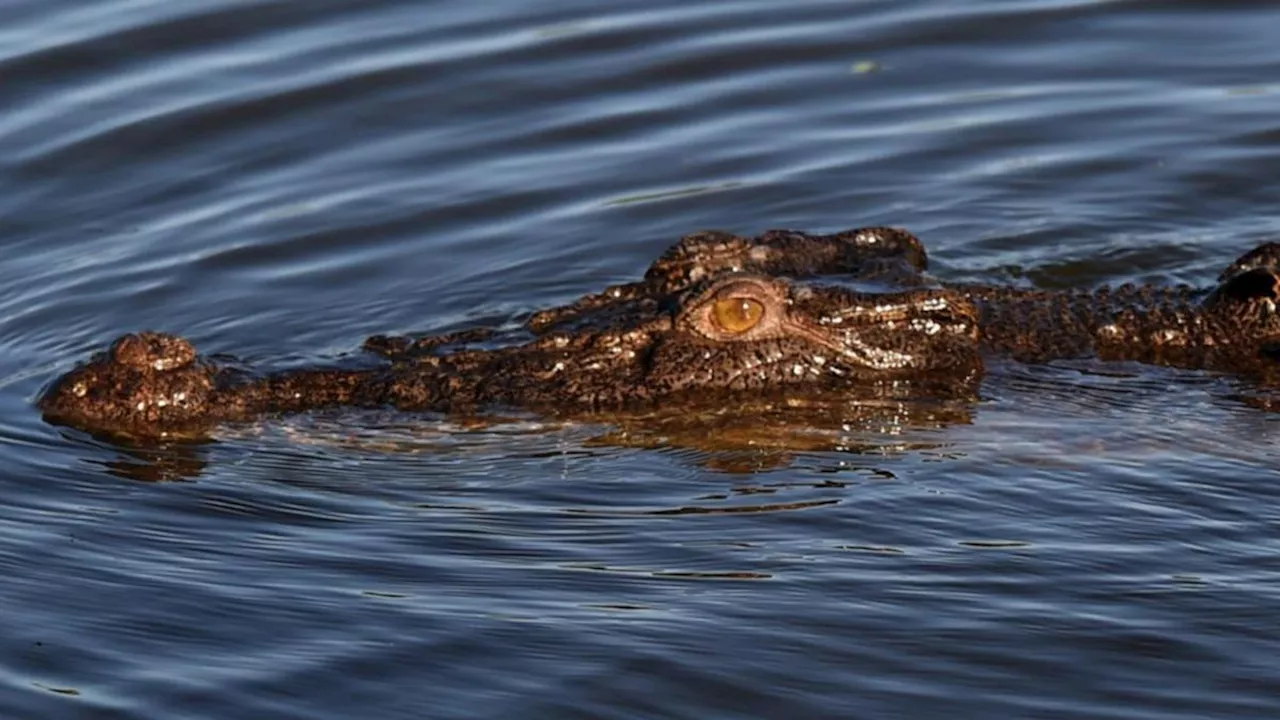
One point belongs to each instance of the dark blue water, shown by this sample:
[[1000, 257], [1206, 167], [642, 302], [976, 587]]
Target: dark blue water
[[278, 180]]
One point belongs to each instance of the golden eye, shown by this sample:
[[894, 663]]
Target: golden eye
[[737, 315]]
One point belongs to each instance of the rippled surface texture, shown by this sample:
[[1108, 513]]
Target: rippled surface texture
[[278, 180]]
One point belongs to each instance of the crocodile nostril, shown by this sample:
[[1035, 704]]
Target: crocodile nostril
[[153, 351]]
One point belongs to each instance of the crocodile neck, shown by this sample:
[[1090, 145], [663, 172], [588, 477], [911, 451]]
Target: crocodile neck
[[1156, 325]]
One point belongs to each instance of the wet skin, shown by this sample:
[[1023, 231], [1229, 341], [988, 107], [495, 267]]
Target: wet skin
[[716, 317]]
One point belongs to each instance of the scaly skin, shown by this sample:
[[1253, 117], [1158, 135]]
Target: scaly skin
[[643, 344], [1157, 326], [665, 339]]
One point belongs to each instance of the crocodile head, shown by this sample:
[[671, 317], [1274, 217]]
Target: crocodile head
[[737, 333]]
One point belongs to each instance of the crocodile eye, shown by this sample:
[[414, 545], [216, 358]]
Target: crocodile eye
[[736, 315]]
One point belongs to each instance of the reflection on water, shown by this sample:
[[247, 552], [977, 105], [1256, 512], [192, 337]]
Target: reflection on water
[[279, 181], [748, 436]]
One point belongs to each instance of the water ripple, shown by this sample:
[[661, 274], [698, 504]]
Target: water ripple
[[278, 180]]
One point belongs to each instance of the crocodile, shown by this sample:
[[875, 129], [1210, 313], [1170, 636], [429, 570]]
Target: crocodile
[[716, 319]]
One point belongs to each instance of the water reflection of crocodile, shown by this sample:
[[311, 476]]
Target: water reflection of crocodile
[[716, 317]]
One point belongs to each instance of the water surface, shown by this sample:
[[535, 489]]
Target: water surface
[[278, 180]]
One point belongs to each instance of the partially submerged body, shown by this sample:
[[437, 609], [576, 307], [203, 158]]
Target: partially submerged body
[[717, 316]]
